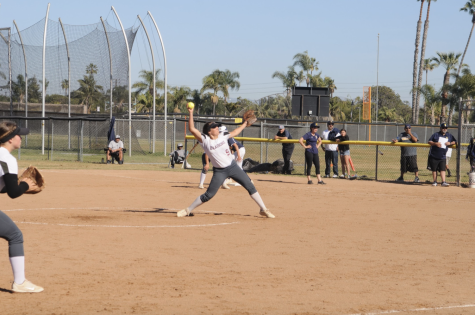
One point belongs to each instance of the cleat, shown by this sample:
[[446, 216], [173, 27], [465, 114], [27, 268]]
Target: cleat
[[225, 185], [266, 213], [343, 176], [201, 187], [444, 184], [321, 183], [335, 176], [26, 287], [434, 184], [109, 162], [327, 176], [416, 180], [237, 184], [310, 182], [183, 213], [400, 179]]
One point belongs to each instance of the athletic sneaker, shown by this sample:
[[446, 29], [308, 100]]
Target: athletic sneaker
[[201, 187], [448, 173], [237, 184], [225, 184], [183, 213], [416, 180], [444, 184], [335, 175], [434, 184], [327, 176], [400, 179], [26, 287], [266, 213], [109, 161], [310, 182], [321, 183], [349, 176], [343, 176]]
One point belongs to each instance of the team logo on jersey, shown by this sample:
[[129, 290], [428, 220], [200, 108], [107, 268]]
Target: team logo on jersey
[[217, 146]]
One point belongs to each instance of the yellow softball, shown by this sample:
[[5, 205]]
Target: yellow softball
[[190, 105]]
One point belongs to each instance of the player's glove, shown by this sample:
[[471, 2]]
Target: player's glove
[[35, 176], [250, 117]]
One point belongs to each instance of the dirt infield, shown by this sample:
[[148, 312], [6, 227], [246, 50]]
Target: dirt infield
[[103, 241]]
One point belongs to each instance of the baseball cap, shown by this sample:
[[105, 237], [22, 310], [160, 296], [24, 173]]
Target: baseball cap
[[443, 125], [314, 125], [407, 126], [214, 125], [330, 122], [281, 127], [117, 137], [180, 145]]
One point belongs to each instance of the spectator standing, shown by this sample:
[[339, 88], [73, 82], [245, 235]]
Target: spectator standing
[[447, 160], [408, 154], [312, 142], [439, 142], [471, 154], [344, 153], [287, 148], [331, 150]]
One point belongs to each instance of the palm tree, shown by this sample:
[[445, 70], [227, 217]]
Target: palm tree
[[179, 96], [305, 62], [300, 77], [449, 61], [421, 64], [65, 86], [317, 81], [46, 85], [430, 99], [416, 55], [214, 82], [428, 66], [229, 81], [88, 91], [330, 84], [287, 78], [470, 8], [91, 69], [147, 82], [464, 88], [388, 114], [18, 88]]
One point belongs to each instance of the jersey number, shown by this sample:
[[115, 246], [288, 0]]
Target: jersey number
[[227, 152]]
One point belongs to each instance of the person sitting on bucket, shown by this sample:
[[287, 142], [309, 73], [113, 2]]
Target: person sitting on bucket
[[115, 150], [177, 156]]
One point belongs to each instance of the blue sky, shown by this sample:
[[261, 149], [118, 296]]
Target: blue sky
[[257, 38]]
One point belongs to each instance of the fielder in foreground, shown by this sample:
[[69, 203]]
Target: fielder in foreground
[[10, 139], [216, 147]]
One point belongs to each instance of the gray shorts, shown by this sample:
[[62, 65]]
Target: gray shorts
[[346, 152]]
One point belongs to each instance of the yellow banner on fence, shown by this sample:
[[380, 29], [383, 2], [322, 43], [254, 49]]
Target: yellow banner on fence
[[237, 120]]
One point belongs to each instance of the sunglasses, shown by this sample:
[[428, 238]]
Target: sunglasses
[[214, 125]]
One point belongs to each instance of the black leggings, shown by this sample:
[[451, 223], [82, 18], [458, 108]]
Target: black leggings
[[309, 158]]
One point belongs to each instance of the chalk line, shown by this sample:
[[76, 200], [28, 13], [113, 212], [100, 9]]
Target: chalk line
[[127, 226], [423, 309]]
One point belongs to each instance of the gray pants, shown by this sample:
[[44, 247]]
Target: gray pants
[[11, 232], [220, 174]]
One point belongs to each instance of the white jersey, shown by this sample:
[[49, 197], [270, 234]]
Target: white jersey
[[8, 165], [329, 147], [217, 150], [116, 145]]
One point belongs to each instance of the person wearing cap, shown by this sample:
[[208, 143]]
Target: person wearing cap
[[177, 156], [408, 154], [312, 142], [439, 142], [115, 150], [331, 150], [215, 145], [10, 139], [287, 148]]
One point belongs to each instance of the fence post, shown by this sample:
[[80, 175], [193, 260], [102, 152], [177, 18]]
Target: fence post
[[377, 153], [359, 125], [267, 147], [49, 129], [52, 138], [459, 137], [81, 144], [186, 153], [262, 136], [174, 133]]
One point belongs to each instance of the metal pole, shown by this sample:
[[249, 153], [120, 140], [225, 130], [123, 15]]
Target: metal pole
[[44, 84], [110, 64], [262, 136], [165, 74], [377, 88], [26, 78], [154, 84], [69, 84], [52, 138], [376, 170], [10, 68], [459, 137], [130, 82]]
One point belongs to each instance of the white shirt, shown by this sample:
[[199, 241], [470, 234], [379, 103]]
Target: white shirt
[[449, 152], [217, 150], [329, 147], [8, 165], [116, 145]]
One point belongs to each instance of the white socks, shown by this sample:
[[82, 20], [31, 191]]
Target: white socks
[[18, 267], [257, 198], [202, 179], [195, 204]]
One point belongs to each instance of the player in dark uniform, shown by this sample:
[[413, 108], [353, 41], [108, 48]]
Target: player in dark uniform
[[313, 141], [438, 150], [408, 154], [287, 148], [10, 139]]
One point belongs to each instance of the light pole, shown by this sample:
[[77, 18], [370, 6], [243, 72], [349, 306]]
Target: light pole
[[352, 104]]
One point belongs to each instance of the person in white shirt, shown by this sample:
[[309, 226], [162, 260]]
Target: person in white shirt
[[215, 145], [331, 150], [10, 139], [115, 150]]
